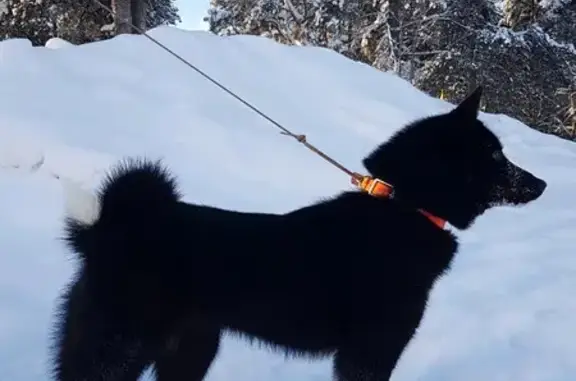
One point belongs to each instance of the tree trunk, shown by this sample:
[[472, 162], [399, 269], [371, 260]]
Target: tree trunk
[[123, 16], [519, 13], [139, 15]]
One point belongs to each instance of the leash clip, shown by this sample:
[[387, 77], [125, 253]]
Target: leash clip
[[373, 186]]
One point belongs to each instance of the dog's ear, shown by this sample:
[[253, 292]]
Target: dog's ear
[[470, 106]]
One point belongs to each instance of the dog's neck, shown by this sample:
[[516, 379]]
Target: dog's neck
[[378, 188]]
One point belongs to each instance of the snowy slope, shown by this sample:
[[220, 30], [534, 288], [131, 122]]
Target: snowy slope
[[505, 312]]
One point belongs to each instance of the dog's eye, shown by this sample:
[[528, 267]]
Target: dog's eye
[[498, 155]]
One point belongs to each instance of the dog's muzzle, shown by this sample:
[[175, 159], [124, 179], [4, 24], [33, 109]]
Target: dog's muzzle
[[523, 187]]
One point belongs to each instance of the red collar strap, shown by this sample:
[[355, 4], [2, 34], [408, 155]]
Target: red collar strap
[[379, 188]]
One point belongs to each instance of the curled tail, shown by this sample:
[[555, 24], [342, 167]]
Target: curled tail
[[132, 195]]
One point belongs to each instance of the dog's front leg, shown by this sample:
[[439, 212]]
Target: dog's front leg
[[371, 356]]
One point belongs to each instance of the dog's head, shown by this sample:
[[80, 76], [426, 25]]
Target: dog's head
[[452, 165]]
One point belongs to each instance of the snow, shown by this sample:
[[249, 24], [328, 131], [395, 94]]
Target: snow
[[505, 312], [553, 4], [569, 47], [57, 43]]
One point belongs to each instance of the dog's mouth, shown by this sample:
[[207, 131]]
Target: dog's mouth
[[521, 195], [520, 187]]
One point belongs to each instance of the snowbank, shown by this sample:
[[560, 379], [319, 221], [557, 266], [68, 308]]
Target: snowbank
[[506, 310]]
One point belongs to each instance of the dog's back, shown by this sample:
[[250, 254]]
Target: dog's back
[[297, 279]]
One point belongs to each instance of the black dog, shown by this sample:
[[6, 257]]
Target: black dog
[[160, 279]]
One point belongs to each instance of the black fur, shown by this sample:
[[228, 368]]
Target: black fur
[[160, 279]]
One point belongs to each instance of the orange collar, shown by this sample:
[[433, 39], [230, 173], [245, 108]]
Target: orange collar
[[379, 188]]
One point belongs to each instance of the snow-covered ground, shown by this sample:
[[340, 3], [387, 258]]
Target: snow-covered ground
[[507, 310]]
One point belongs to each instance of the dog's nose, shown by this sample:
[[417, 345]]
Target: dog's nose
[[540, 186], [537, 186], [534, 186]]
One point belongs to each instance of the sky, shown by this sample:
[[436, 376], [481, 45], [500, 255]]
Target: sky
[[192, 12]]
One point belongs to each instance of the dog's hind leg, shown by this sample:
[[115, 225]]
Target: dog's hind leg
[[88, 349], [188, 352]]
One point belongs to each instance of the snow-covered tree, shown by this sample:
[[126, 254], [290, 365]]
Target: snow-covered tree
[[26, 19], [328, 23], [384, 33], [77, 21], [143, 14], [522, 51], [161, 12]]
